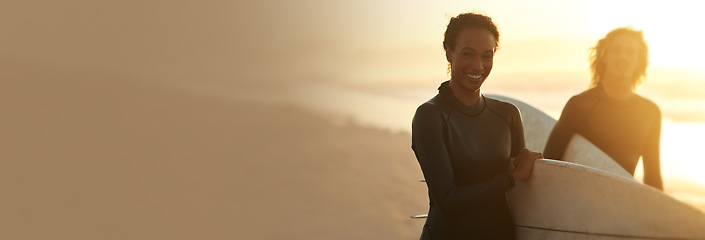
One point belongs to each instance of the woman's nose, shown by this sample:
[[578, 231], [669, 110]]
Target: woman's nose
[[477, 64]]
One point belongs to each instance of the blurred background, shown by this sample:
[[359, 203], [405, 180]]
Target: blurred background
[[283, 120]]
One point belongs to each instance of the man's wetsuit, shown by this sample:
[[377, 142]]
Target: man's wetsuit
[[464, 153], [624, 130]]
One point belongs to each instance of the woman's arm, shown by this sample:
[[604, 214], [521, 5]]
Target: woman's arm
[[524, 158]]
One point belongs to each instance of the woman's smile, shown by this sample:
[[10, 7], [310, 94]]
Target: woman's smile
[[475, 76]]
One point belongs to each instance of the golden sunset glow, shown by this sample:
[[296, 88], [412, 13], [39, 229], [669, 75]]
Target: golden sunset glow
[[543, 59], [269, 119]]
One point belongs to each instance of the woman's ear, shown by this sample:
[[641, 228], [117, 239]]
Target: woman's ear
[[449, 55]]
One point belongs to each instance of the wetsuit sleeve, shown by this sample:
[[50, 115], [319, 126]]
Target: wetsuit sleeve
[[564, 129], [518, 141], [651, 155], [429, 146]]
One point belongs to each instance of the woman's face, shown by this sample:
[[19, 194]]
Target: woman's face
[[471, 59], [621, 58]]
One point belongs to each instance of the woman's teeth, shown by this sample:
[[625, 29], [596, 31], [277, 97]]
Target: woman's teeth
[[474, 76]]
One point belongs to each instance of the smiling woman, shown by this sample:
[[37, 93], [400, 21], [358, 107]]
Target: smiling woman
[[470, 62], [465, 143]]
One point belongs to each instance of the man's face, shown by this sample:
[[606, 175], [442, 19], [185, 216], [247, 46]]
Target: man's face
[[621, 58]]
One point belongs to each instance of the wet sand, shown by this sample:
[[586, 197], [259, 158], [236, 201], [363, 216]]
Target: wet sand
[[95, 155]]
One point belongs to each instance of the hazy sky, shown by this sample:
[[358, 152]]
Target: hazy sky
[[391, 41], [366, 41]]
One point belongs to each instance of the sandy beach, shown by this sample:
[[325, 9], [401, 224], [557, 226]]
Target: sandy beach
[[90, 155], [98, 142]]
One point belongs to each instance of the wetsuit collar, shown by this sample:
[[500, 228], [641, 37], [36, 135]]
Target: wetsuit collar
[[614, 102], [473, 110]]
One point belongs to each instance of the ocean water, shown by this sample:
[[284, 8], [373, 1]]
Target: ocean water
[[393, 109]]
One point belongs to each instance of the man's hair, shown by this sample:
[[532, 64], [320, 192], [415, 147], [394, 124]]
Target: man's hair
[[597, 54]]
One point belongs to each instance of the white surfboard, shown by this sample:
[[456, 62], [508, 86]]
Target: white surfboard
[[537, 128], [563, 200], [582, 151]]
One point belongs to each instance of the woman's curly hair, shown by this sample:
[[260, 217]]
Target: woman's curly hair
[[468, 20]]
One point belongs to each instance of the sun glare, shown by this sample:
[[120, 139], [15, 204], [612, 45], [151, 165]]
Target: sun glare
[[679, 147], [668, 29]]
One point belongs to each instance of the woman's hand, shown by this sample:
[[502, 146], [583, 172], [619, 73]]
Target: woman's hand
[[524, 163]]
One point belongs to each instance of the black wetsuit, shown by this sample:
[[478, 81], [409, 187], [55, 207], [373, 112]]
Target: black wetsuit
[[464, 153], [624, 130]]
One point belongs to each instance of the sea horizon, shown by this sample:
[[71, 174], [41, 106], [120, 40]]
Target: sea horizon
[[391, 108]]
